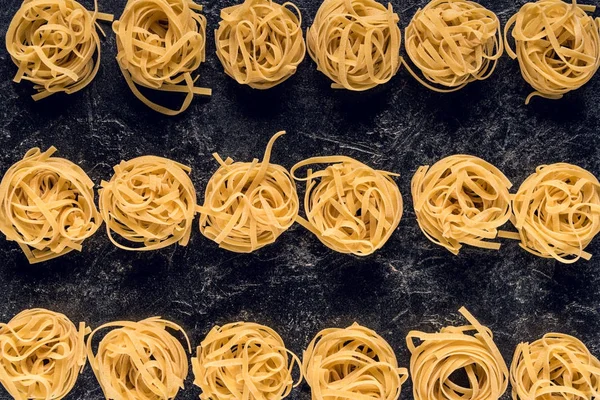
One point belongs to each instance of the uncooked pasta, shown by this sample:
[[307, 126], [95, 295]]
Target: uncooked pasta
[[150, 202], [41, 355], [260, 42], [47, 205], [355, 43], [160, 43], [244, 360], [557, 45], [140, 360], [247, 205], [557, 212], [461, 199], [352, 363], [438, 358], [453, 43], [349, 206], [55, 45], [557, 366]]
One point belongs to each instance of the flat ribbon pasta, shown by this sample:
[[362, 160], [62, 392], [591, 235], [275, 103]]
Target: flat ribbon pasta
[[557, 366], [149, 200], [47, 205], [55, 45], [260, 42], [248, 205], [557, 212], [349, 206], [352, 363], [453, 43], [461, 199], [41, 355], [140, 360], [440, 355], [355, 43], [244, 360], [160, 42], [557, 45]]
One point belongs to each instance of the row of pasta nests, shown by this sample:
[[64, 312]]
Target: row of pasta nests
[[356, 43], [47, 205], [42, 354]]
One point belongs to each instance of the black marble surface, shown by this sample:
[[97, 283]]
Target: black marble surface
[[298, 286]]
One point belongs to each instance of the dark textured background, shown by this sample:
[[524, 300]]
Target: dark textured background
[[298, 286]]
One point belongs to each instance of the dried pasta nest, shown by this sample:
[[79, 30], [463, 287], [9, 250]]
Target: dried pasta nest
[[151, 201], [557, 212], [55, 45], [244, 360], [260, 42], [139, 360], [41, 354], [439, 357], [352, 363], [557, 45], [355, 43], [247, 205], [557, 366], [349, 206], [459, 200], [47, 205], [160, 43], [453, 43]]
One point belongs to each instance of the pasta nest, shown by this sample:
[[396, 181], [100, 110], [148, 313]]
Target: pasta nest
[[453, 43], [557, 45], [244, 360], [55, 45], [248, 205], [555, 366], [557, 212], [260, 42], [140, 360], [47, 205], [349, 206], [159, 43], [435, 362], [355, 43], [352, 363], [459, 200], [149, 200], [41, 354]]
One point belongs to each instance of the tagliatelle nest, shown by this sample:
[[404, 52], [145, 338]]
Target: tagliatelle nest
[[260, 42], [355, 43]]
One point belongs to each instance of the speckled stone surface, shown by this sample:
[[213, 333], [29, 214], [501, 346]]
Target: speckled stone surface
[[298, 286]]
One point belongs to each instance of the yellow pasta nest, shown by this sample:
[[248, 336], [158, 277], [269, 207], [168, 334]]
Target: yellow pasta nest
[[355, 43], [349, 206], [149, 200], [160, 42], [557, 366], [41, 355], [244, 360], [248, 205], [139, 360], [435, 362], [55, 45], [459, 200], [557, 45], [260, 42], [352, 363], [453, 43], [47, 205], [557, 212]]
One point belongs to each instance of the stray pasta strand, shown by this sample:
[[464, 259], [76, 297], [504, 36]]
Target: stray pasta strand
[[260, 42], [244, 360]]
